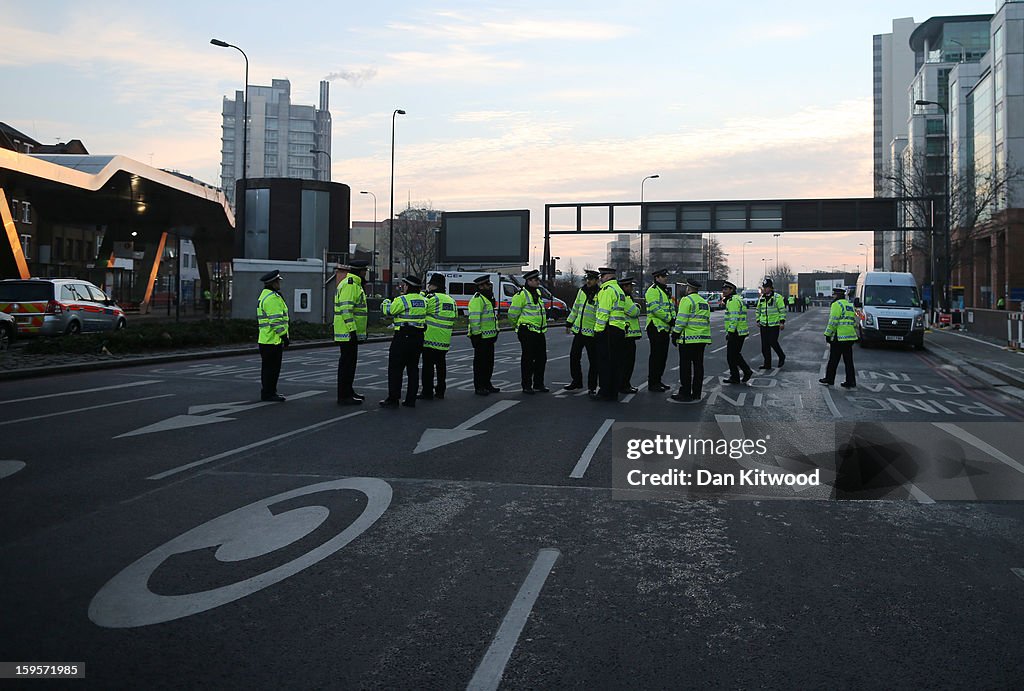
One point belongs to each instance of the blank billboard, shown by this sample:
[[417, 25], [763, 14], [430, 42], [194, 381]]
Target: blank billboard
[[486, 237]]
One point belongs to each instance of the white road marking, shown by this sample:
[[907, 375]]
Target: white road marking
[[492, 667], [827, 393], [1019, 572], [588, 453], [82, 410], [72, 393], [433, 438], [8, 468], [727, 418], [915, 491], [629, 397], [247, 447], [964, 435]]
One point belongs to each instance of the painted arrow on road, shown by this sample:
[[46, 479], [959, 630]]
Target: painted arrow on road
[[434, 438], [207, 414]]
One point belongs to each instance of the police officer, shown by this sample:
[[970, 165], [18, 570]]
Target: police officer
[[840, 334], [529, 320], [735, 334], [771, 318], [272, 318], [660, 315], [693, 334], [483, 334], [580, 322], [350, 316], [440, 319], [631, 310], [609, 335], [408, 312]]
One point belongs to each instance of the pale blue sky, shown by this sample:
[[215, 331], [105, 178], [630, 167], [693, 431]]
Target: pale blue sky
[[510, 105]]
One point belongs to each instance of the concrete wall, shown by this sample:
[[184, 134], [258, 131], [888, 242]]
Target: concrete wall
[[297, 275]]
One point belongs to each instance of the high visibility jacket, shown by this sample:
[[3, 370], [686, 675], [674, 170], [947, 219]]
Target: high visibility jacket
[[1001, 304], [406, 310], [349, 310], [659, 308], [632, 312], [527, 311], [441, 311], [609, 306], [483, 317], [272, 317], [770, 311], [583, 315], [693, 320], [841, 320], [736, 316], [792, 300]]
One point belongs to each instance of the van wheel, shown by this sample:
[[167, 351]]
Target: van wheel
[[74, 328], [121, 324], [6, 336]]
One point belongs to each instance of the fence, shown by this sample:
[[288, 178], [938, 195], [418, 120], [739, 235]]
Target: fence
[[996, 324]]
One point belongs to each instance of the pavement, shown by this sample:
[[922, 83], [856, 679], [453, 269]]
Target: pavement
[[167, 529]]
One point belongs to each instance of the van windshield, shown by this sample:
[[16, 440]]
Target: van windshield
[[891, 296]]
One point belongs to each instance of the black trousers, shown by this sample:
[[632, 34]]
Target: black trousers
[[691, 368], [348, 354], [734, 355], [659, 355], [404, 356], [770, 342], [611, 344], [483, 361], [579, 344], [434, 359], [628, 363], [270, 368], [844, 350], [534, 357]]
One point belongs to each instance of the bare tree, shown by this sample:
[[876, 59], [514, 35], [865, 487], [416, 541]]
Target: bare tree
[[416, 238], [718, 265], [782, 276]]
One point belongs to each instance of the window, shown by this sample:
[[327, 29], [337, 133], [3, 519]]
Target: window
[[26, 212], [26, 245], [69, 291], [96, 294], [69, 249], [934, 126], [14, 209]]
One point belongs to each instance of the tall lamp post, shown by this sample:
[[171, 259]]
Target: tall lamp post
[[391, 218], [743, 259], [328, 155], [643, 227], [374, 257], [865, 256], [776, 236], [946, 219], [240, 204], [764, 266]]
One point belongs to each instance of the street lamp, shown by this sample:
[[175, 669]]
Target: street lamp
[[375, 277], [743, 258], [240, 204], [328, 155], [946, 219], [391, 218], [865, 256], [776, 236], [764, 266], [643, 227]]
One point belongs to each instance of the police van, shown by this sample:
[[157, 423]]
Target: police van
[[460, 286], [889, 309]]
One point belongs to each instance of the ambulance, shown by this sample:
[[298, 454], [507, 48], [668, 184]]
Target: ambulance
[[460, 285]]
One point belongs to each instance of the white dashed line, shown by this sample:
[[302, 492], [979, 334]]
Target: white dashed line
[[588, 453], [964, 435]]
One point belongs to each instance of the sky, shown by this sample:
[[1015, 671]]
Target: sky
[[510, 105]]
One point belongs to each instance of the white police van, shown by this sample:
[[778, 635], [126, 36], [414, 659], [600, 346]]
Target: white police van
[[889, 309], [460, 286]]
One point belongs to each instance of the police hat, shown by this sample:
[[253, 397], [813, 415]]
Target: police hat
[[270, 277], [590, 273], [436, 280], [767, 283], [659, 272], [693, 284], [626, 280], [531, 274], [839, 290], [607, 270], [480, 280], [358, 264], [412, 282], [728, 284]]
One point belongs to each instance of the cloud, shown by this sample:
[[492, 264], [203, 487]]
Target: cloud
[[470, 30], [355, 78]]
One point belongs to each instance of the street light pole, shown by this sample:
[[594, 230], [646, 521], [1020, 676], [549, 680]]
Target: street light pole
[[374, 257], [328, 155], [865, 256], [776, 236], [240, 204], [743, 259], [946, 214], [391, 218], [643, 227]]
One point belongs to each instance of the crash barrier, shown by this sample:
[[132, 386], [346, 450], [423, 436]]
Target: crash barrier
[[997, 324]]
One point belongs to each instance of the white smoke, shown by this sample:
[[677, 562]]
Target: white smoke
[[355, 78]]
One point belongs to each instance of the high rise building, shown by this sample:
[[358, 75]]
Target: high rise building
[[285, 139]]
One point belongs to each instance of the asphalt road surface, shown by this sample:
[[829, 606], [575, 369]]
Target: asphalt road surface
[[168, 530]]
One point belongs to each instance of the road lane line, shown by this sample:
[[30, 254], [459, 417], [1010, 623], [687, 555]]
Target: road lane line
[[915, 491], [727, 418], [827, 393], [247, 447], [629, 397], [964, 435], [72, 393], [588, 453], [492, 667], [1019, 572], [82, 410]]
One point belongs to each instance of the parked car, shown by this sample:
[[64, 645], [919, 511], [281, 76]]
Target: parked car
[[54, 306], [715, 302], [8, 330]]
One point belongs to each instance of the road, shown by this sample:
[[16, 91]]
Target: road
[[166, 529]]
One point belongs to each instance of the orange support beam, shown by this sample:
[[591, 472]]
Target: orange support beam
[[11, 233], [144, 307]]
